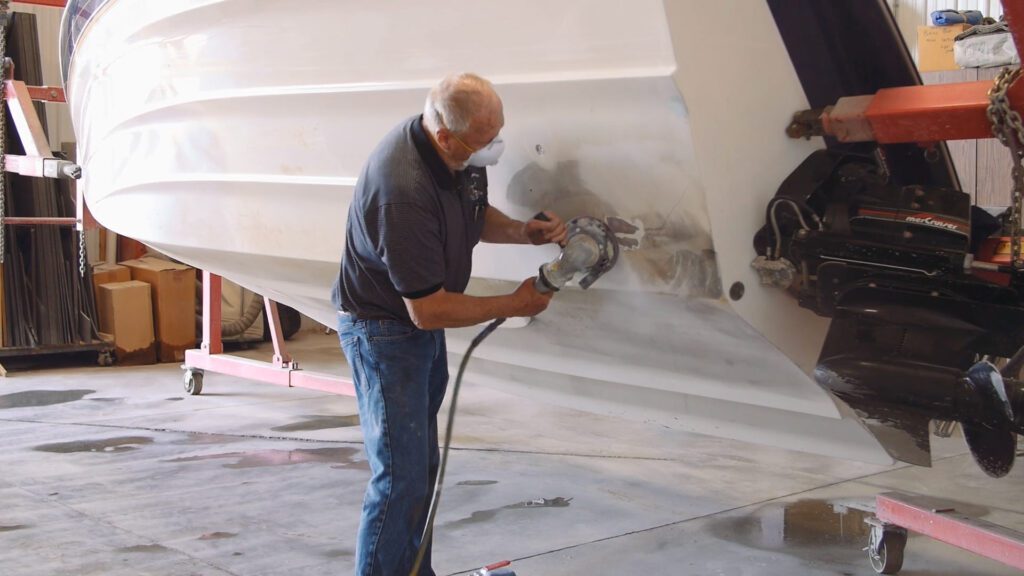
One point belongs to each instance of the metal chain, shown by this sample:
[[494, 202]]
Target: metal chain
[[1008, 128], [4, 8], [81, 253]]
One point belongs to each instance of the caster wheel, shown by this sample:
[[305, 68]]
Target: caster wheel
[[885, 549], [193, 382], [105, 358]]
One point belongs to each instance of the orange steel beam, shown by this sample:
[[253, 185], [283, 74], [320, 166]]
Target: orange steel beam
[[924, 114], [931, 113], [912, 114]]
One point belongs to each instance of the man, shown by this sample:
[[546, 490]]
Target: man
[[420, 207]]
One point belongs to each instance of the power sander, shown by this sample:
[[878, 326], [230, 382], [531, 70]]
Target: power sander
[[590, 249]]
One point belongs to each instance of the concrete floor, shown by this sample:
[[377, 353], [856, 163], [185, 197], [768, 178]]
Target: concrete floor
[[112, 471]]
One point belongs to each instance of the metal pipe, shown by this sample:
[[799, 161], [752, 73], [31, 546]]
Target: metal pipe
[[34, 221], [111, 255]]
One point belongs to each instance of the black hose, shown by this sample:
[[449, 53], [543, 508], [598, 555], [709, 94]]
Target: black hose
[[428, 529]]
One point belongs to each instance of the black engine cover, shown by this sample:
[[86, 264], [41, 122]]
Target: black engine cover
[[856, 200]]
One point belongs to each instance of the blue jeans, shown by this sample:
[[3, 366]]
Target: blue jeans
[[400, 375]]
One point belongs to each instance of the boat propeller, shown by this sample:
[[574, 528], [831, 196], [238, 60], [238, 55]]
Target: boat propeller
[[994, 418]]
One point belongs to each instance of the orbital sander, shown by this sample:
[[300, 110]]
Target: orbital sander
[[590, 249]]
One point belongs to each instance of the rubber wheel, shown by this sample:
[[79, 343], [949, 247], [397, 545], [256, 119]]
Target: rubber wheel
[[889, 558], [193, 382]]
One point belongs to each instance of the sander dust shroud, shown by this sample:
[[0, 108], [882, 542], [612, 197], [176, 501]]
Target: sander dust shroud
[[590, 250]]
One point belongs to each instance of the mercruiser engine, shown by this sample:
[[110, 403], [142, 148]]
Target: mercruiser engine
[[927, 310]]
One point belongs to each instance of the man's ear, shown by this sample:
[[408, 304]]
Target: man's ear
[[443, 137]]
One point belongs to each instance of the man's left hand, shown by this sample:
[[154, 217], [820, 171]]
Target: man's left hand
[[541, 232]]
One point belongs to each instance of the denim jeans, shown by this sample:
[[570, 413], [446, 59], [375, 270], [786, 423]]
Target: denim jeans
[[400, 375]]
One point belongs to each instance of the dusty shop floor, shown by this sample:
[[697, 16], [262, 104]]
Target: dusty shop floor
[[114, 471]]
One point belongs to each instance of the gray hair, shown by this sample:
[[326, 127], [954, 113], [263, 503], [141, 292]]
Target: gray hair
[[454, 102]]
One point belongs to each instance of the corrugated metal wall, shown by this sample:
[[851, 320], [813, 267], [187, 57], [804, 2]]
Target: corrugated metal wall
[[913, 13]]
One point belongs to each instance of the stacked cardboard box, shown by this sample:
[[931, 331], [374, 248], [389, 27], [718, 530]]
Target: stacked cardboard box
[[126, 314], [104, 273], [935, 47], [174, 304]]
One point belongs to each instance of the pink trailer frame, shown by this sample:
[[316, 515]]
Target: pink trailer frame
[[896, 513], [281, 370]]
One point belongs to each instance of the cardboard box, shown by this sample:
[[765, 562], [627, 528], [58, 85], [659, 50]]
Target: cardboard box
[[104, 273], [935, 47], [126, 312], [174, 304]]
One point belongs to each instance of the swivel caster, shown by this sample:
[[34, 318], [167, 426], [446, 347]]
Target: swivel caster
[[193, 381], [885, 548]]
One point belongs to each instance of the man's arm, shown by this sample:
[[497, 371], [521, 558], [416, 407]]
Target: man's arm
[[500, 229], [444, 309]]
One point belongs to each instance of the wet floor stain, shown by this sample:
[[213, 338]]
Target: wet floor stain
[[111, 399], [12, 528], [174, 399], [797, 524], [804, 525], [481, 516], [319, 423], [143, 549], [343, 458], [339, 554], [477, 482], [34, 398], [119, 444], [217, 536]]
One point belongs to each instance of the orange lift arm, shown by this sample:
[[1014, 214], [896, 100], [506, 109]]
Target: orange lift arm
[[921, 114]]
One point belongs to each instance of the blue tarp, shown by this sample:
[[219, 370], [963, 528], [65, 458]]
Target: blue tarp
[[947, 17]]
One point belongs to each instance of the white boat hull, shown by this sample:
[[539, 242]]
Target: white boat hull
[[229, 134]]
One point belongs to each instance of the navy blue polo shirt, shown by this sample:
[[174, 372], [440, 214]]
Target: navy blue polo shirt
[[412, 227]]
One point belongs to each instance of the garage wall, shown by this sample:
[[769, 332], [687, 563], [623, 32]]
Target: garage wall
[[982, 165], [913, 13]]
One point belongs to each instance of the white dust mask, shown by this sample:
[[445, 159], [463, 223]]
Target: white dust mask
[[488, 155]]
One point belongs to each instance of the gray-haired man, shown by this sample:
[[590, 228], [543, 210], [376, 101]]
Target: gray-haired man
[[420, 207]]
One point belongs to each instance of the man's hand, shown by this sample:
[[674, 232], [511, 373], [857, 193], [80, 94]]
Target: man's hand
[[529, 301], [541, 232]]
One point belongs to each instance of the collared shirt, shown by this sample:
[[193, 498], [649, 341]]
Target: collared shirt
[[412, 226]]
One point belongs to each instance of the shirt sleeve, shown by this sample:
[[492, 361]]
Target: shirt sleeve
[[410, 245]]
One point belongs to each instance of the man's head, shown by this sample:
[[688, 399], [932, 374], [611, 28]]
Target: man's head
[[463, 114]]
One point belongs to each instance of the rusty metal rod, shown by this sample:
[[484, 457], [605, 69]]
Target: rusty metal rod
[[37, 220]]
